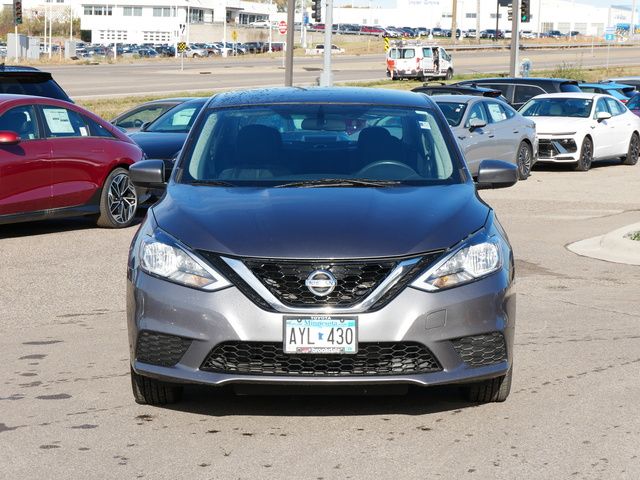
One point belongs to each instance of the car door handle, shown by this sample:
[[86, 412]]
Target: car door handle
[[461, 137], [516, 131]]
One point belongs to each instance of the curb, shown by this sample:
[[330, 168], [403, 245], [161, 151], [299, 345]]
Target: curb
[[611, 247]]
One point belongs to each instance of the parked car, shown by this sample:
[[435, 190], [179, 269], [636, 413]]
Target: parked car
[[319, 49], [633, 81], [441, 88], [369, 30], [518, 91], [634, 104], [232, 281], [486, 127], [132, 120], [30, 81], [437, 32], [527, 34], [618, 90], [422, 61], [491, 33], [163, 138], [555, 34], [580, 128], [58, 159], [260, 24]]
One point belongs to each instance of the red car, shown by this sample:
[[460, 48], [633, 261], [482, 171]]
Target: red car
[[58, 159], [634, 104]]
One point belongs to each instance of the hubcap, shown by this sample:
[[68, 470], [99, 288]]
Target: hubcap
[[122, 198]]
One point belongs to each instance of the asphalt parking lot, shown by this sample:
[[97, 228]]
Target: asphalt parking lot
[[66, 409]]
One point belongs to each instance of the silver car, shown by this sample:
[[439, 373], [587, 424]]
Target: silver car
[[488, 128]]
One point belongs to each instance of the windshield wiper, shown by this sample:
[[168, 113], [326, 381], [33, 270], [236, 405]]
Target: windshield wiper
[[340, 182], [212, 183]]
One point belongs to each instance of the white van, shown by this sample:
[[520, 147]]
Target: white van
[[422, 61]]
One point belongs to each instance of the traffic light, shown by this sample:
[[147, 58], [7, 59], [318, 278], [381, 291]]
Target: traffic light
[[316, 10], [525, 11], [17, 12]]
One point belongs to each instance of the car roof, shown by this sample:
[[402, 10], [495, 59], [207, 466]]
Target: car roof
[[518, 80], [337, 95], [170, 100], [586, 96], [459, 98], [18, 68], [606, 85]]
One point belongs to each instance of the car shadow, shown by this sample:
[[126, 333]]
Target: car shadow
[[222, 402], [60, 225], [568, 167]]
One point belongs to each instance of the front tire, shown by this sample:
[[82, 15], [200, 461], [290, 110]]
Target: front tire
[[634, 150], [524, 160], [449, 74], [586, 156], [149, 391], [488, 391], [118, 200]]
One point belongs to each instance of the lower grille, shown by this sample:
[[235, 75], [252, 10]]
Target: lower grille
[[546, 149], [160, 348], [267, 358], [481, 350]]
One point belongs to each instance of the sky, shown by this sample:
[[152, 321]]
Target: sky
[[387, 3]]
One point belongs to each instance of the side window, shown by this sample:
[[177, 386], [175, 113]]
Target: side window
[[614, 107], [601, 106], [95, 129], [144, 115], [589, 89], [477, 111], [524, 93], [393, 54], [444, 55], [63, 123], [21, 120], [496, 112], [426, 52]]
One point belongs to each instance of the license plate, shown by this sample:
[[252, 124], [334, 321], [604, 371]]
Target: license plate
[[321, 334]]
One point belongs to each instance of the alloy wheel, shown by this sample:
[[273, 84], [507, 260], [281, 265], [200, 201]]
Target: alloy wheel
[[122, 198], [524, 161]]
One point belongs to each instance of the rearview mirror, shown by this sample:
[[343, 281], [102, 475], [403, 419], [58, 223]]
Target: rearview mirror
[[9, 138], [602, 116], [476, 123], [496, 174], [148, 174]]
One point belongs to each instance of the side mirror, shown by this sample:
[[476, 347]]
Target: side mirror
[[148, 174], [9, 138], [496, 174], [475, 123], [600, 116]]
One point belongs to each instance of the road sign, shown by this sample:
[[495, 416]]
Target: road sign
[[386, 44], [282, 27], [609, 34], [182, 47], [234, 35]]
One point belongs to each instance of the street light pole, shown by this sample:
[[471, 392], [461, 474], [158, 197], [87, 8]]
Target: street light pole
[[290, 39], [515, 39], [454, 20], [478, 22], [326, 79]]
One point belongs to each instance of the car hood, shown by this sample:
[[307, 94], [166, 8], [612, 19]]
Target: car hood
[[556, 125], [306, 223], [159, 145]]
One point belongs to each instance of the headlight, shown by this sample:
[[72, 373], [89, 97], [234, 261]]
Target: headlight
[[162, 256], [462, 266]]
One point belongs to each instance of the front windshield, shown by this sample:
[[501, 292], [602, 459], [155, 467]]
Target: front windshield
[[453, 112], [276, 144], [177, 120], [558, 107]]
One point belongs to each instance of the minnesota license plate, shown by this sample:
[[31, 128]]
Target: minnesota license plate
[[320, 334]]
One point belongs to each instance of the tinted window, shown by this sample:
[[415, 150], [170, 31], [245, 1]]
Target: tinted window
[[178, 120], [503, 87], [61, 122], [557, 107], [524, 93], [141, 116], [590, 89], [31, 85], [96, 129], [426, 52], [569, 87], [601, 106], [453, 112], [615, 107], [21, 120], [477, 111], [634, 103], [282, 143]]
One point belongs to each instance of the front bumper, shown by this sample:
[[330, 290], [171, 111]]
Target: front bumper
[[558, 149], [206, 319]]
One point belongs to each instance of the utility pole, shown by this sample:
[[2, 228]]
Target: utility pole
[[454, 20], [495, 37], [478, 22], [290, 39], [515, 39], [632, 27], [326, 79]]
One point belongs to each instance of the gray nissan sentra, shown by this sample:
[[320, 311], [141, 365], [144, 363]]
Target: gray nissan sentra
[[322, 236]]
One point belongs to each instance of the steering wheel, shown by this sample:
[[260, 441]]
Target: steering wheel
[[386, 163], [138, 123]]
